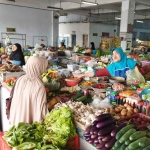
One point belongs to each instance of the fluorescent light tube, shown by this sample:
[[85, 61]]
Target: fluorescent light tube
[[89, 3], [55, 8], [139, 21], [117, 18]]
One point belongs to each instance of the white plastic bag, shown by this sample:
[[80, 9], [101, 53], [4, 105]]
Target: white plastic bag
[[134, 76]]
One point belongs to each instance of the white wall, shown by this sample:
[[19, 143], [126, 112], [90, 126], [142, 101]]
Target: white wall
[[29, 21], [99, 28], [79, 28]]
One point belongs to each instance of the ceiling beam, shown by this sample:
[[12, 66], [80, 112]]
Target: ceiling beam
[[143, 2]]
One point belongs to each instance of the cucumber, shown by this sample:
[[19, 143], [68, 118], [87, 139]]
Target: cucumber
[[147, 148], [128, 142], [148, 134], [77, 96], [126, 136], [127, 148], [135, 144], [137, 135], [82, 98], [117, 144], [123, 131], [145, 142], [123, 146]]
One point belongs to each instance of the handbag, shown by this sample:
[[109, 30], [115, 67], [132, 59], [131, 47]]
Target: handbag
[[8, 102]]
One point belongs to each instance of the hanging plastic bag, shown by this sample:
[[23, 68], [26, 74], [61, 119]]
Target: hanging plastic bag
[[134, 76]]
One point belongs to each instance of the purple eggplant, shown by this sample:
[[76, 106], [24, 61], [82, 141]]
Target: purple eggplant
[[105, 123], [104, 148], [103, 117], [89, 138], [98, 146], [106, 130], [107, 138], [94, 136], [96, 131], [91, 141], [88, 129], [93, 129], [87, 135], [110, 143], [116, 130], [96, 141], [94, 123]]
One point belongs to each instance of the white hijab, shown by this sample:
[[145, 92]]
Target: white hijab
[[29, 101]]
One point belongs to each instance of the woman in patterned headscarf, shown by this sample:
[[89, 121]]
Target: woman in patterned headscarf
[[29, 102]]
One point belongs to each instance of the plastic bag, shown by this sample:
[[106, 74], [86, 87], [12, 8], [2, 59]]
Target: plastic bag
[[134, 76]]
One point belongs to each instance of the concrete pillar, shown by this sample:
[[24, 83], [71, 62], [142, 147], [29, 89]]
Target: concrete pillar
[[126, 26], [55, 29]]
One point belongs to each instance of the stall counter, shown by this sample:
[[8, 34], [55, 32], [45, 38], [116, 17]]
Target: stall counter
[[4, 121]]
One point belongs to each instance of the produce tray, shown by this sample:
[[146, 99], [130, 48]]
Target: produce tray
[[3, 144], [81, 126]]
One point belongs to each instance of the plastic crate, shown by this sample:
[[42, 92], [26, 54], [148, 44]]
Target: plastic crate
[[73, 143]]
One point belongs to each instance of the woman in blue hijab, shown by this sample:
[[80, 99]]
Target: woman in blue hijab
[[118, 68], [121, 63]]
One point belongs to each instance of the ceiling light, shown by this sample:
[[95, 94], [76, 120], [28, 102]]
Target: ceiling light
[[117, 18], [55, 8], [139, 21], [11, 0], [89, 3]]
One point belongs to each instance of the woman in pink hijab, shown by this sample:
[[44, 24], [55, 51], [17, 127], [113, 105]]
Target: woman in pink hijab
[[29, 102]]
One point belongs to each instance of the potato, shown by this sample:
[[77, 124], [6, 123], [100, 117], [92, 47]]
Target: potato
[[129, 108], [126, 105], [122, 117], [129, 113], [123, 113], [124, 110], [117, 110]]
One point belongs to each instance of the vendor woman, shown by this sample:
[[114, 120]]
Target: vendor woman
[[16, 56], [120, 65]]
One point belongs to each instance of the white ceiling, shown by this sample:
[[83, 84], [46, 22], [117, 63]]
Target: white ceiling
[[104, 9]]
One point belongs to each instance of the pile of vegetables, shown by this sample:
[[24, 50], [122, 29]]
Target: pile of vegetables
[[122, 111], [59, 126], [28, 136], [10, 81], [140, 121], [84, 114], [128, 138], [50, 80], [102, 132], [53, 134]]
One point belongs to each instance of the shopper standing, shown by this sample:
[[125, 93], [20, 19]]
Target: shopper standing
[[29, 101]]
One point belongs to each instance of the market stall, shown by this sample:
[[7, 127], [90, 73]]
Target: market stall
[[107, 113]]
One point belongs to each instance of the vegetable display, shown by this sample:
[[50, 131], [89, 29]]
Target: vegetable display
[[128, 138], [84, 114], [27, 136], [102, 132]]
